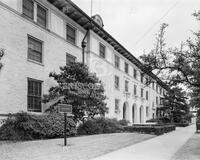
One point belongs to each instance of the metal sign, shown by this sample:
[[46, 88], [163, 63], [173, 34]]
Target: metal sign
[[65, 108]]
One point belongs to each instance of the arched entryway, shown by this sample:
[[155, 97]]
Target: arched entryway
[[125, 111], [134, 113], [141, 114]]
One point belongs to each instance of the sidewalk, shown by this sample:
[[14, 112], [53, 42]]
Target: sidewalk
[[158, 148]]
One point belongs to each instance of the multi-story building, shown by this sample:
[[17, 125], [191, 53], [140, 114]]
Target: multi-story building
[[39, 36]]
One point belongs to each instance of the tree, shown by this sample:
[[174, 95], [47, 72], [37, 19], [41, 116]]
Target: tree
[[175, 104], [182, 64], [2, 52], [80, 88]]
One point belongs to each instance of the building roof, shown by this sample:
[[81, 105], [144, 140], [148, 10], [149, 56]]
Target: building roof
[[80, 17]]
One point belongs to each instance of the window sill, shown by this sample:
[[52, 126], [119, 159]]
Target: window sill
[[32, 61]]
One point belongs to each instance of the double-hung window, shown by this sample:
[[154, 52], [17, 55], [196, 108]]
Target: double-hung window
[[116, 105], [135, 73], [126, 86], [34, 95], [126, 69], [70, 59], [71, 34], [34, 49], [135, 90], [142, 92], [147, 95], [116, 82], [117, 61], [41, 16], [102, 50], [29, 9]]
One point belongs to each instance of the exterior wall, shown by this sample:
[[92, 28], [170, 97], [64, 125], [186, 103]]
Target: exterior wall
[[17, 68]]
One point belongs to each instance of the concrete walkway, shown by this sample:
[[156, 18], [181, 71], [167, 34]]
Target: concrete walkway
[[158, 148]]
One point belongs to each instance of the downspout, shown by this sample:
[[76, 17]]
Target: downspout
[[83, 45]]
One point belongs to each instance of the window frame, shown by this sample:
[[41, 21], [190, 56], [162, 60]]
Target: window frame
[[142, 92], [126, 86], [117, 61], [42, 48], [116, 80], [135, 90], [102, 54], [75, 34], [147, 95], [46, 15], [34, 96], [34, 17], [126, 67], [134, 73], [68, 55], [117, 105]]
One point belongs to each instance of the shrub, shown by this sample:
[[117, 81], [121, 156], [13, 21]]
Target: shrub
[[123, 122], [159, 120], [98, 126], [24, 126], [150, 129]]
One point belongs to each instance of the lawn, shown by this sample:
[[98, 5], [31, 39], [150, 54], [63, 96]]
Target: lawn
[[79, 148], [190, 150]]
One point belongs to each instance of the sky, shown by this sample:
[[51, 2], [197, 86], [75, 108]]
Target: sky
[[134, 23]]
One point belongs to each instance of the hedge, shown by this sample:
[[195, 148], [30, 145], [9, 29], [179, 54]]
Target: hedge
[[24, 126], [180, 124], [99, 126], [150, 129]]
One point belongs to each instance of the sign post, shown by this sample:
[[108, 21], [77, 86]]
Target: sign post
[[65, 108]]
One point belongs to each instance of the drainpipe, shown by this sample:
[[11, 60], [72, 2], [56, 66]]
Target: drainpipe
[[83, 45]]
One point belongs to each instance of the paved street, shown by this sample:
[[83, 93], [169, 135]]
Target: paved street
[[158, 148], [80, 148]]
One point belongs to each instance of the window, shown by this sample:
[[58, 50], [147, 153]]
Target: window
[[126, 85], [117, 61], [135, 73], [34, 49], [135, 89], [153, 85], [156, 88], [34, 95], [126, 67], [147, 112], [147, 95], [142, 92], [41, 12], [71, 34], [28, 9], [116, 105], [116, 82], [70, 59], [160, 90], [142, 77], [102, 50], [156, 100], [41, 16]]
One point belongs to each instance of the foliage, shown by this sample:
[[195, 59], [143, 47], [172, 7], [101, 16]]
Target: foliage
[[160, 120], [24, 126], [80, 88], [123, 122], [99, 126], [2, 52], [176, 105], [150, 129], [182, 64]]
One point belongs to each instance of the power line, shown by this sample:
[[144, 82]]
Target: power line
[[149, 30]]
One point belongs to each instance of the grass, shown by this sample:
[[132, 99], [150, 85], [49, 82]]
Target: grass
[[79, 148], [190, 150]]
